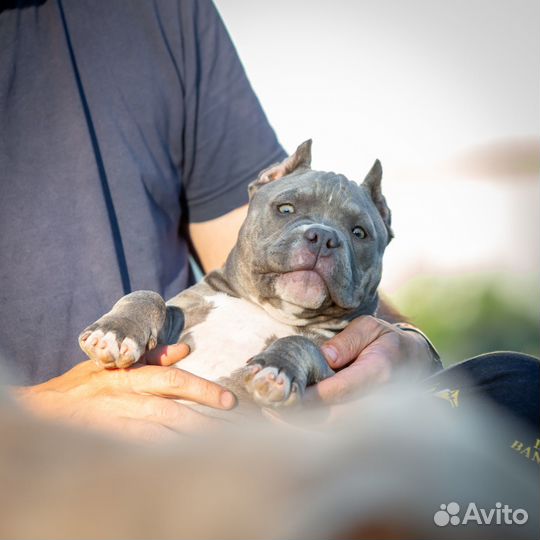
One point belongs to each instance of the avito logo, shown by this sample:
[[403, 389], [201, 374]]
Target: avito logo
[[500, 515]]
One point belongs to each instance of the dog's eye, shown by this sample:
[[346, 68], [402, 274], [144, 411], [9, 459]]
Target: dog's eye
[[359, 232], [286, 209]]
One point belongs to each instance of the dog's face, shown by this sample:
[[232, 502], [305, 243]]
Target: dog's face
[[312, 243]]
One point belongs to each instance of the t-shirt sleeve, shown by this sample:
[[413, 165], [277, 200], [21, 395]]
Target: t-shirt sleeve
[[227, 138]]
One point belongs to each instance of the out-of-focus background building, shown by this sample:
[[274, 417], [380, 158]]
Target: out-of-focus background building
[[447, 95]]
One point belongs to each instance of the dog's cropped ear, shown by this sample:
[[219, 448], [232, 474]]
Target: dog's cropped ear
[[301, 159], [372, 183]]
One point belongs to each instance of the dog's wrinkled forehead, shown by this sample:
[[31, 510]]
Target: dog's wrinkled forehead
[[294, 180], [319, 190]]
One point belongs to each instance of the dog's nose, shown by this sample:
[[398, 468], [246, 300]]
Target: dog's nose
[[321, 240]]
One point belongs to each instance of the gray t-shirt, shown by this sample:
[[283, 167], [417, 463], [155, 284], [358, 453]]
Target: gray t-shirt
[[120, 121]]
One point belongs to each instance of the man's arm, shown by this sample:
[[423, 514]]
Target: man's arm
[[214, 239]]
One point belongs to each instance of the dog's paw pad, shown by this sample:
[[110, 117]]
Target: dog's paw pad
[[250, 371], [269, 386], [100, 347], [129, 353], [106, 349]]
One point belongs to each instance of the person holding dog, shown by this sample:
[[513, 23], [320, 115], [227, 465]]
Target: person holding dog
[[128, 132]]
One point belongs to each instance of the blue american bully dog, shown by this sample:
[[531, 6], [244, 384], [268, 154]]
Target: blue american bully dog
[[307, 261]]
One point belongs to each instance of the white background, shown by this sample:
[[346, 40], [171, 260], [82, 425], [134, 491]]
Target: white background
[[445, 93]]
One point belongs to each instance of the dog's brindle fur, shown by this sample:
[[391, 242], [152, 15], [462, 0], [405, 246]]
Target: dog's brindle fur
[[307, 261]]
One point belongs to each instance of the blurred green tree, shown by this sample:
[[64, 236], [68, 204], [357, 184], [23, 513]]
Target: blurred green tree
[[473, 314]]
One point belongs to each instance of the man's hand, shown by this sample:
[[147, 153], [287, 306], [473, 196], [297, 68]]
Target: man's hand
[[137, 402], [367, 353]]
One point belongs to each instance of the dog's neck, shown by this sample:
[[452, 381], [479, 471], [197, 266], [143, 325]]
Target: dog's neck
[[332, 318]]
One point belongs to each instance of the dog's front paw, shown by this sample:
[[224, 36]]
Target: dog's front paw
[[270, 385], [111, 345]]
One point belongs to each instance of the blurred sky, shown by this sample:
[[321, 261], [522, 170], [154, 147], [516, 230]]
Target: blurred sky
[[446, 94]]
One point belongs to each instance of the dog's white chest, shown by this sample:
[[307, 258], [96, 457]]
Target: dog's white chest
[[234, 331]]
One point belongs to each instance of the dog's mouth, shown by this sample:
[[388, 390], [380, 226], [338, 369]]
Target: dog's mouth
[[304, 288]]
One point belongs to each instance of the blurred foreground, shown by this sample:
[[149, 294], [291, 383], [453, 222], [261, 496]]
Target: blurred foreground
[[378, 468]]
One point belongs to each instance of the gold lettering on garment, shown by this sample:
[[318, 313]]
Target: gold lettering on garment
[[452, 396], [529, 452]]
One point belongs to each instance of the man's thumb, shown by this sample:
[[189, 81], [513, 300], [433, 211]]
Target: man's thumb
[[348, 344]]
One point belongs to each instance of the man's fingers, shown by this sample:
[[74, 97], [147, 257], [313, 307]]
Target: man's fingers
[[344, 347], [302, 419], [179, 384], [335, 389], [166, 355], [167, 414], [371, 370], [315, 418], [145, 417], [140, 430], [181, 418]]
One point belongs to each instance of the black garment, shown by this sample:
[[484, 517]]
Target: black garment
[[509, 381]]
